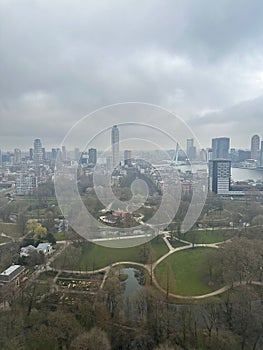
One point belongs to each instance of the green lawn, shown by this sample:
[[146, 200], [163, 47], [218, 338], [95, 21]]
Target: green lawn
[[64, 236], [176, 244], [47, 275], [9, 229], [209, 236], [186, 272], [4, 239], [89, 256]]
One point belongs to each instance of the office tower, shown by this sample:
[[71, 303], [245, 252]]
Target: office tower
[[220, 148], [31, 154], [64, 153], [202, 155], [43, 154], [209, 154], [1, 159], [54, 154], [17, 156], [190, 149], [261, 155], [243, 155], [84, 158], [38, 154], [92, 156], [127, 158], [115, 145], [219, 176], [255, 144]]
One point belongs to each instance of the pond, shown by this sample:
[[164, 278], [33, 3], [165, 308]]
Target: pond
[[134, 282]]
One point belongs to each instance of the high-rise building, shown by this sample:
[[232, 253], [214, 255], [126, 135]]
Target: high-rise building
[[115, 145], [202, 155], [220, 148], [243, 155], [261, 155], [255, 144], [31, 153], [43, 154], [127, 158], [209, 154], [190, 149], [1, 159], [17, 156], [64, 153], [92, 156], [38, 153], [220, 176]]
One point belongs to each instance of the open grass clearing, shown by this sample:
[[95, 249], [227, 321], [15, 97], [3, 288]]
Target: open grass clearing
[[208, 236], [90, 256], [186, 272], [11, 230]]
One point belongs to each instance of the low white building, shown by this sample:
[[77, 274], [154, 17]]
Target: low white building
[[26, 251], [45, 248], [11, 274]]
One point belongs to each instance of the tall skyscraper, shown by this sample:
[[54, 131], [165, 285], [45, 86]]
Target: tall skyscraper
[[17, 156], [38, 153], [31, 153], [255, 144], [127, 158], [92, 156], [43, 154], [220, 148], [190, 149], [115, 145], [219, 176], [76, 154], [64, 153], [261, 155]]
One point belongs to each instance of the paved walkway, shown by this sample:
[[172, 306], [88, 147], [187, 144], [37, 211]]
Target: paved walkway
[[151, 267]]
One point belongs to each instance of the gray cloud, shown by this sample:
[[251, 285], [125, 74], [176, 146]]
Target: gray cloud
[[61, 59]]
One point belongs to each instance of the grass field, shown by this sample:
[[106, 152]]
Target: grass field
[[9, 229], [209, 236], [64, 236], [176, 244], [186, 272], [89, 256], [4, 239]]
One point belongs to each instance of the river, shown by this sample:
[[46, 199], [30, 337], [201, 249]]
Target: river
[[238, 174]]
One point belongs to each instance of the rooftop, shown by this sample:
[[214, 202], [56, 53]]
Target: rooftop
[[10, 270], [43, 245]]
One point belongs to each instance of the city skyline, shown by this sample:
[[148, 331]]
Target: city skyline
[[188, 143], [200, 63]]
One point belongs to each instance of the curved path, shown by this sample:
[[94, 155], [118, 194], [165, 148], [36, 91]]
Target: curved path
[[151, 267]]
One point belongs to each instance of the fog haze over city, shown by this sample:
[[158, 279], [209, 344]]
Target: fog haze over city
[[61, 60]]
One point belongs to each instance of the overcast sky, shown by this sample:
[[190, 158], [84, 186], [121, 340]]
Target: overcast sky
[[60, 60]]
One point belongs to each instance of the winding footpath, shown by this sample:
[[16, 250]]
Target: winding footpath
[[151, 267]]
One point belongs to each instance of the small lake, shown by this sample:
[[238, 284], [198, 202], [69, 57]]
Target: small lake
[[134, 282]]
